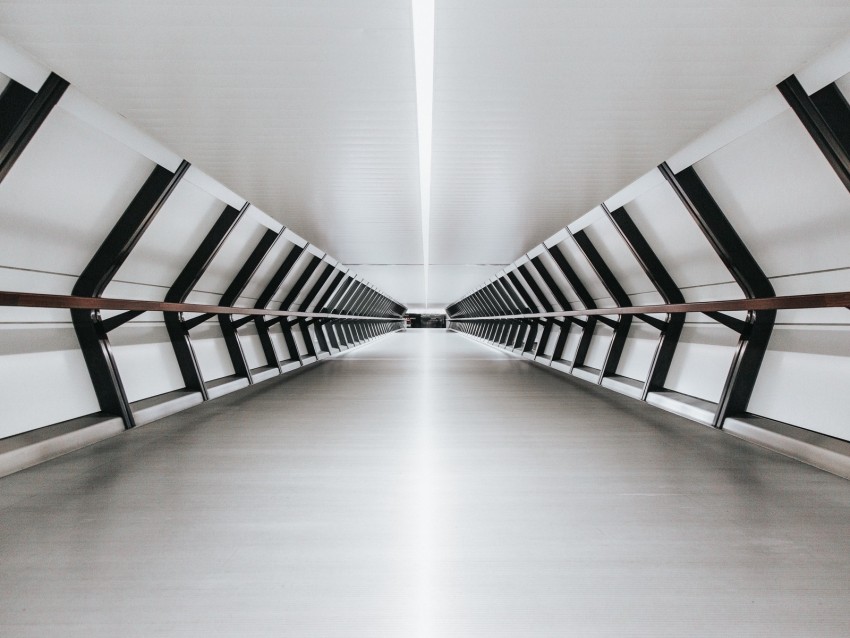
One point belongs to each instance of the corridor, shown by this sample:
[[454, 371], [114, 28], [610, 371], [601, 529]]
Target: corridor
[[424, 485]]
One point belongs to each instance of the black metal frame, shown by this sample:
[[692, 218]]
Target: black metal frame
[[731, 249], [588, 326], [826, 116], [178, 328], [96, 276], [23, 112], [671, 329]]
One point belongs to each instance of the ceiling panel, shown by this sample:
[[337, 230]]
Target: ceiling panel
[[545, 108], [305, 108]]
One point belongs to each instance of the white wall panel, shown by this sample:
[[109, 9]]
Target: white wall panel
[[211, 351], [276, 334], [145, 360], [571, 345], [782, 197], [553, 341], [64, 194], [804, 378], [252, 347], [638, 351], [701, 363], [43, 377], [598, 347]]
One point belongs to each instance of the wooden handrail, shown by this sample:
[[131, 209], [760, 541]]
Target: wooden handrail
[[34, 300], [794, 302]]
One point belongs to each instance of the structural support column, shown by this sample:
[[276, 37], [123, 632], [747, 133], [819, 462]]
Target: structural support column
[[96, 276], [826, 116], [666, 287], [23, 114], [747, 273], [188, 278], [262, 326], [234, 290], [589, 324]]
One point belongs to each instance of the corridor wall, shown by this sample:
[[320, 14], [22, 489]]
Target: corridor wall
[[66, 186], [781, 194]]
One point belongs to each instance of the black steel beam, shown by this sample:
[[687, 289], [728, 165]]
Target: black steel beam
[[94, 342], [543, 302], [117, 321], [301, 282], [320, 281], [27, 120], [14, 102], [234, 290], [523, 292], [265, 298], [547, 278], [339, 294], [334, 285], [528, 278], [747, 273], [178, 329], [612, 285], [826, 119], [587, 301], [510, 294], [651, 265]]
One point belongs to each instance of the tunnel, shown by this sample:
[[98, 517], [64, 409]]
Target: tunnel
[[424, 318]]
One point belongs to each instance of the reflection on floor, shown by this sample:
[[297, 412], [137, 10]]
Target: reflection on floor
[[424, 485]]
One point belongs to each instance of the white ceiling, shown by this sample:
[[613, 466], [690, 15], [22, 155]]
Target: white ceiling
[[308, 108]]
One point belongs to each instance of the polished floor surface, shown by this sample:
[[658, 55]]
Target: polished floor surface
[[424, 486]]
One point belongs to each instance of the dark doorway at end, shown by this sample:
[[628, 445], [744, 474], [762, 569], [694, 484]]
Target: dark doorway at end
[[424, 321]]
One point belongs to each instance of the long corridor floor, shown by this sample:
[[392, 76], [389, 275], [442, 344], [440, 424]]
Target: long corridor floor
[[424, 486]]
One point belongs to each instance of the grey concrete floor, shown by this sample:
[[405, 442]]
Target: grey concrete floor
[[425, 486]]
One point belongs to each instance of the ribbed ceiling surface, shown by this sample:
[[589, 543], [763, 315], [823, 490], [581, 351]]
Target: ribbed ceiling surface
[[308, 108]]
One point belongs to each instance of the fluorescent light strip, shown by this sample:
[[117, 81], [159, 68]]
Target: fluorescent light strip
[[423, 49]]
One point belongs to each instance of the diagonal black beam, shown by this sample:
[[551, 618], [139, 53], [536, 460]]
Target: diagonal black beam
[[305, 305], [14, 102], [528, 278], [27, 119], [320, 281], [509, 293], [234, 290], [543, 302], [523, 292], [302, 280], [612, 285], [94, 342], [826, 119], [117, 321], [547, 278], [731, 249], [178, 330], [262, 326], [339, 293], [562, 300], [671, 330], [587, 301]]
